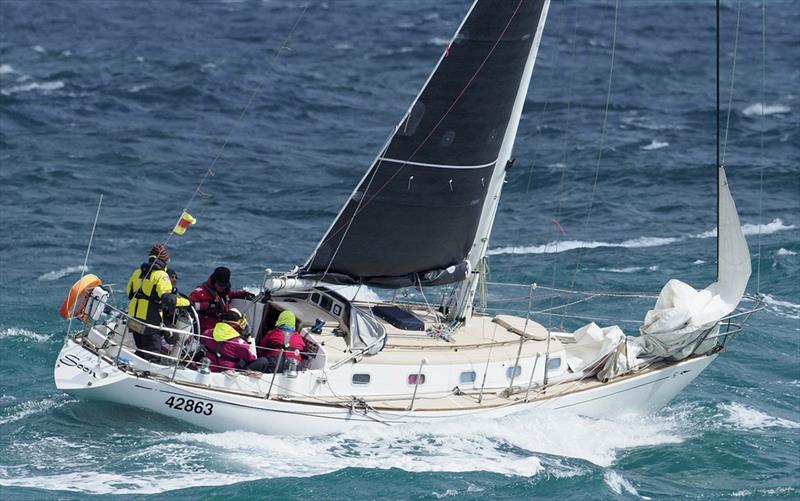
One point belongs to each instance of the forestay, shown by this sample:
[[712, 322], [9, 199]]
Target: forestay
[[412, 219]]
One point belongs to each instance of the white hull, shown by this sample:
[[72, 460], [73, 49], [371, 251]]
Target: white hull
[[79, 373]]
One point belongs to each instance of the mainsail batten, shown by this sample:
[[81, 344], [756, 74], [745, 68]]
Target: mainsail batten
[[417, 211]]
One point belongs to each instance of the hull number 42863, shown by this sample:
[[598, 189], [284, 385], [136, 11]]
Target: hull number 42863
[[190, 405]]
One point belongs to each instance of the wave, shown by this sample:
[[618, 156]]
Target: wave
[[567, 245], [749, 229], [520, 444], [63, 272], [629, 269], [6, 69], [759, 109], [44, 86], [619, 485], [439, 41], [29, 408], [786, 252], [654, 145], [782, 308], [747, 418], [24, 333]]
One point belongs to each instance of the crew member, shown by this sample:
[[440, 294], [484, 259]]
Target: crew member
[[150, 291], [225, 347], [212, 298], [283, 337]]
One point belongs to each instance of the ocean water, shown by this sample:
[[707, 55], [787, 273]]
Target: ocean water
[[135, 99]]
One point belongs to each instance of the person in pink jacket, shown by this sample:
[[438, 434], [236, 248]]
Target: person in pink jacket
[[283, 337], [225, 347]]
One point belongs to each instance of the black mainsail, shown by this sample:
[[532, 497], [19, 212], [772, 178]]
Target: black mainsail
[[415, 217]]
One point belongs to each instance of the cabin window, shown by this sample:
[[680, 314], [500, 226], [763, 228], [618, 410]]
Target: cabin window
[[325, 303], [467, 377], [315, 298], [554, 363], [513, 371], [361, 378], [415, 379]]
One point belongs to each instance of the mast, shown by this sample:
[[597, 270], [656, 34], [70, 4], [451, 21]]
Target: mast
[[480, 244]]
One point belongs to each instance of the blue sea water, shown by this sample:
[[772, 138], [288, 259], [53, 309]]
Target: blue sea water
[[135, 99]]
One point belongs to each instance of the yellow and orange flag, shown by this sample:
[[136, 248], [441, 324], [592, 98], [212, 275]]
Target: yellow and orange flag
[[184, 223]]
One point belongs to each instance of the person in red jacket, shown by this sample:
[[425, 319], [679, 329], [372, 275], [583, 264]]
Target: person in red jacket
[[212, 298], [282, 337], [225, 347]]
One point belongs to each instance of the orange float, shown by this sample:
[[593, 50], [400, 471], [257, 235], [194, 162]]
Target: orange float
[[79, 292]]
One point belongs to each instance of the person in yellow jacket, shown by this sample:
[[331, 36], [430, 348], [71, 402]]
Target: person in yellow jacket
[[150, 291]]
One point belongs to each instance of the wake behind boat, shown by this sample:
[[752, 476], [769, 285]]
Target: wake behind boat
[[421, 219]]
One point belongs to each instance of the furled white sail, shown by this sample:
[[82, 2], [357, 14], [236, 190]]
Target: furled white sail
[[685, 320]]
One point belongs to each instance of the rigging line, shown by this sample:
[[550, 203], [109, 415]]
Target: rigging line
[[733, 77], [275, 57], [565, 151], [425, 140], [86, 257], [602, 142], [210, 170], [763, 126], [718, 165], [562, 30]]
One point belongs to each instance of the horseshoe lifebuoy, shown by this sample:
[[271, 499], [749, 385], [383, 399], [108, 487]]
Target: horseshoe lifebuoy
[[79, 292]]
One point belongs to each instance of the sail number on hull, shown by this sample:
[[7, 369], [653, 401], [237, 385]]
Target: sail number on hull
[[190, 405]]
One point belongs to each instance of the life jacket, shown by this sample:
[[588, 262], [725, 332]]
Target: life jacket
[[224, 332], [145, 293]]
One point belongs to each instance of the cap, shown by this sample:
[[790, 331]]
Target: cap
[[222, 277], [160, 252]]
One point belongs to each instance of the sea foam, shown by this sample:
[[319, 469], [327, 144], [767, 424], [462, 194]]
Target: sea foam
[[759, 109], [15, 332], [63, 272], [743, 417], [774, 226], [654, 145]]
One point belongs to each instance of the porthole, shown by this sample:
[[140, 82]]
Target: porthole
[[361, 378], [513, 371], [414, 379], [554, 363], [467, 377]]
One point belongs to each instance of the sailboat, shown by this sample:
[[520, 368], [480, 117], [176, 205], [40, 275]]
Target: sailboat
[[420, 217]]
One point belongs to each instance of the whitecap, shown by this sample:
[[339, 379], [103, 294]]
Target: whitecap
[[446, 494], [63, 272], [44, 86], [654, 145], [699, 261], [750, 229], [6, 69], [786, 252], [342, 46], [16, 332], [29, 408], [747, 418], [782, 308], [567, 245], [629, 269], [759, 109], [439, 41], [39, 49], [618, 484]]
